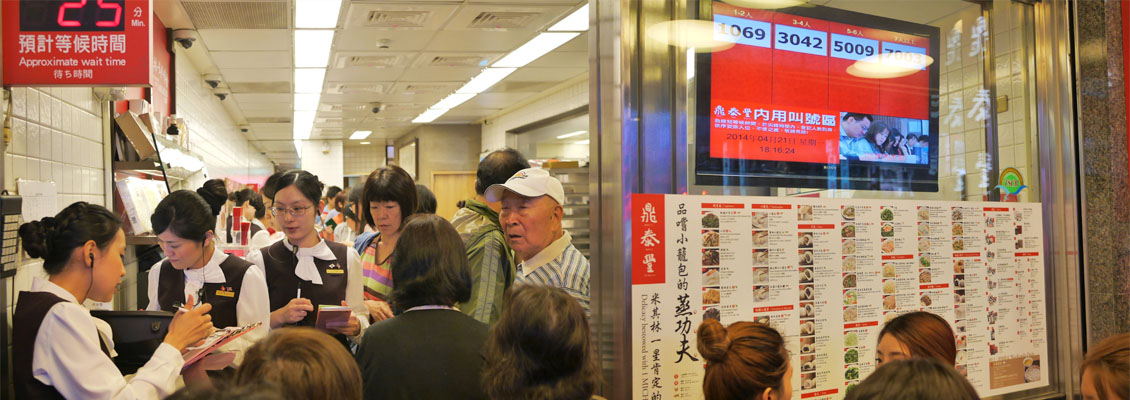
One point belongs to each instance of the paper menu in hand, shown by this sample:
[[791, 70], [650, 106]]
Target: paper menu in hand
[[214, 341], [332, 317]]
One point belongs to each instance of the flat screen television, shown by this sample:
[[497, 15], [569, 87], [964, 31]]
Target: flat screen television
[[801, 99]]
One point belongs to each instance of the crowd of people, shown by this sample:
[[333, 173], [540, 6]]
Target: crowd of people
[[864, 138], [494, 304]]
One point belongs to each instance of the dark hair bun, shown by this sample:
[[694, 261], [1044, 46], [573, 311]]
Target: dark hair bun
[[35, 236], [713, 341]]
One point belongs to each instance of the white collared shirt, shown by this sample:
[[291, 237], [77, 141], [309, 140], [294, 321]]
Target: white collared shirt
[[354, 289], [254, 304], [68, 356], [263, 238], [561, 265]]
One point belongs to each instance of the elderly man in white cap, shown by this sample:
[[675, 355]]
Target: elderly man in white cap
[[531, 219]]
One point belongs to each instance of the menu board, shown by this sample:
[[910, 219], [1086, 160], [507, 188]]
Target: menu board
[[827, 274], [789, 91]]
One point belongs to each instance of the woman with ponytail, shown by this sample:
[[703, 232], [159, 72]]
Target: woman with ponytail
[[57, 351], [745, 360]]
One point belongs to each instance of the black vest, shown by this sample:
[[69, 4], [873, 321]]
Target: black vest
[[252, 231], [229, 229], [222, 296], [31, 308], [282, 283]]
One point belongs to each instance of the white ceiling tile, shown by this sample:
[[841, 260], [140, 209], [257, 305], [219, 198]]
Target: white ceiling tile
[[544, 74], [364, 74], [258, 74], [472, 41], [244, 98], [561, 59], [246, 39], [251, 59], [271, 113], [440, 74], [366, 39], [579, 44], [497, 100], [252, 105]]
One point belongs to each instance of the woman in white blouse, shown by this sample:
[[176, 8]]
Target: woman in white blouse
[[262, 223], [303, 271], [57, 351], [195, 268]]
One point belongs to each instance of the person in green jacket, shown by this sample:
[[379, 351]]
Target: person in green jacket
[[490, 258]]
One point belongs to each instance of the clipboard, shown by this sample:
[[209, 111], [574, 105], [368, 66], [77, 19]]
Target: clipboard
[[217, 339]]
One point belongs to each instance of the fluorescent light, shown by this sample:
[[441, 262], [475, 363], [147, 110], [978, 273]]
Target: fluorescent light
[[543, 43], [586, 141], [298, 148], [571, 134], [306, 101], [366, 142], [312, 48], [303, 124], [578, 21], [485, 80], [309, 80], [358, 135], [453, 100], [429, 116], [316, 13]]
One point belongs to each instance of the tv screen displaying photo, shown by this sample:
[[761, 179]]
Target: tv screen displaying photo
[[817, 97]]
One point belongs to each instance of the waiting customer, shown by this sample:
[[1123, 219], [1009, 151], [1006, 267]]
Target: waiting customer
[[305, 362], [1106, 370], [387, 200], [531, 218], [428, 350], [745, 360], [916, 334], [491, 259], [924, 378], [540, 348], [427, 200]]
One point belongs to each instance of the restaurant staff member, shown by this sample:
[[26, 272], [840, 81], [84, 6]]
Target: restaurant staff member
[[303, 271], [260, 234], [195, 268], [57, 352]]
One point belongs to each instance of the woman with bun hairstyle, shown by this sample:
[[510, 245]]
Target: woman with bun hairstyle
[[303, 271], [260, 236], [195, 268], [745, 360], [1105, 373], [57, 351], [916, 334]]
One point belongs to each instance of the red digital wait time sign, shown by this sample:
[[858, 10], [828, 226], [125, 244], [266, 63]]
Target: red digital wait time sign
[[77, 42]]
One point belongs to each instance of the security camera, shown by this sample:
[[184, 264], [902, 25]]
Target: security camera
[[376, 107], [213, 80], [185, 37], [222, 93], [383, 43], [244, 128]]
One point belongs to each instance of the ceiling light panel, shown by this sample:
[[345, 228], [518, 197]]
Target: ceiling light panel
[[312, 48], [453, 100], [576, 22], [428, 116], [542, 43], [306, 101], [316, 13], [309, 80], [486, 79]]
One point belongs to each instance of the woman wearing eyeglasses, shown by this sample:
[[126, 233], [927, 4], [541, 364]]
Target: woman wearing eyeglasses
[[303, 271]]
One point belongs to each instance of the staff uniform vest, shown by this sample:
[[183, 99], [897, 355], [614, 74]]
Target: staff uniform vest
[[31, 308], [222, 296]]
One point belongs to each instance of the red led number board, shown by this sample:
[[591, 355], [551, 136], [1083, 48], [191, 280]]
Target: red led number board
[[77, 42], [781, 92]]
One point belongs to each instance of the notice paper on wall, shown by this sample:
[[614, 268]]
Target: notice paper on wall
[[39, 199], [827, 274]]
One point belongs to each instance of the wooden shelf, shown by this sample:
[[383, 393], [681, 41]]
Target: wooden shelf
[[141, 240], [145, 166]]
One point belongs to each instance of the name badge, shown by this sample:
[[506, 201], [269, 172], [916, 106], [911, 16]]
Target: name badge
[[225, 293], [335, 271]]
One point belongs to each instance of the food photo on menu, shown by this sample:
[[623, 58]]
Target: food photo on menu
[[848, 212], [848, 263]]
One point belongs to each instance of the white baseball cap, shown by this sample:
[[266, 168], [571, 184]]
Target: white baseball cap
[[530, 182]]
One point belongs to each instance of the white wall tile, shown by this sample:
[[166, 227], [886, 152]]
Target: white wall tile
[[46, 136], [19, 102], [44, 109]]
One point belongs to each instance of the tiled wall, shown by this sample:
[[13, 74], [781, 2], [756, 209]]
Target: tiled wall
[[567, 96], [212, 134], [323, 159], [361, 160]]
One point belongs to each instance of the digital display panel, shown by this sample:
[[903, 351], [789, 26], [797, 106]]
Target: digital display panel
[[72, 15], [796, 101]]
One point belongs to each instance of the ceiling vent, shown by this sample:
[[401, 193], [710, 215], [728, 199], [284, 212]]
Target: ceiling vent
[[503, 20], [357, 88], [238, 14], [457, 61], [427, 88], [396, 19], [373, 61]]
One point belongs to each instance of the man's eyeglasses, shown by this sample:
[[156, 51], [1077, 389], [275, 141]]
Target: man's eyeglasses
[[294, 212]]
